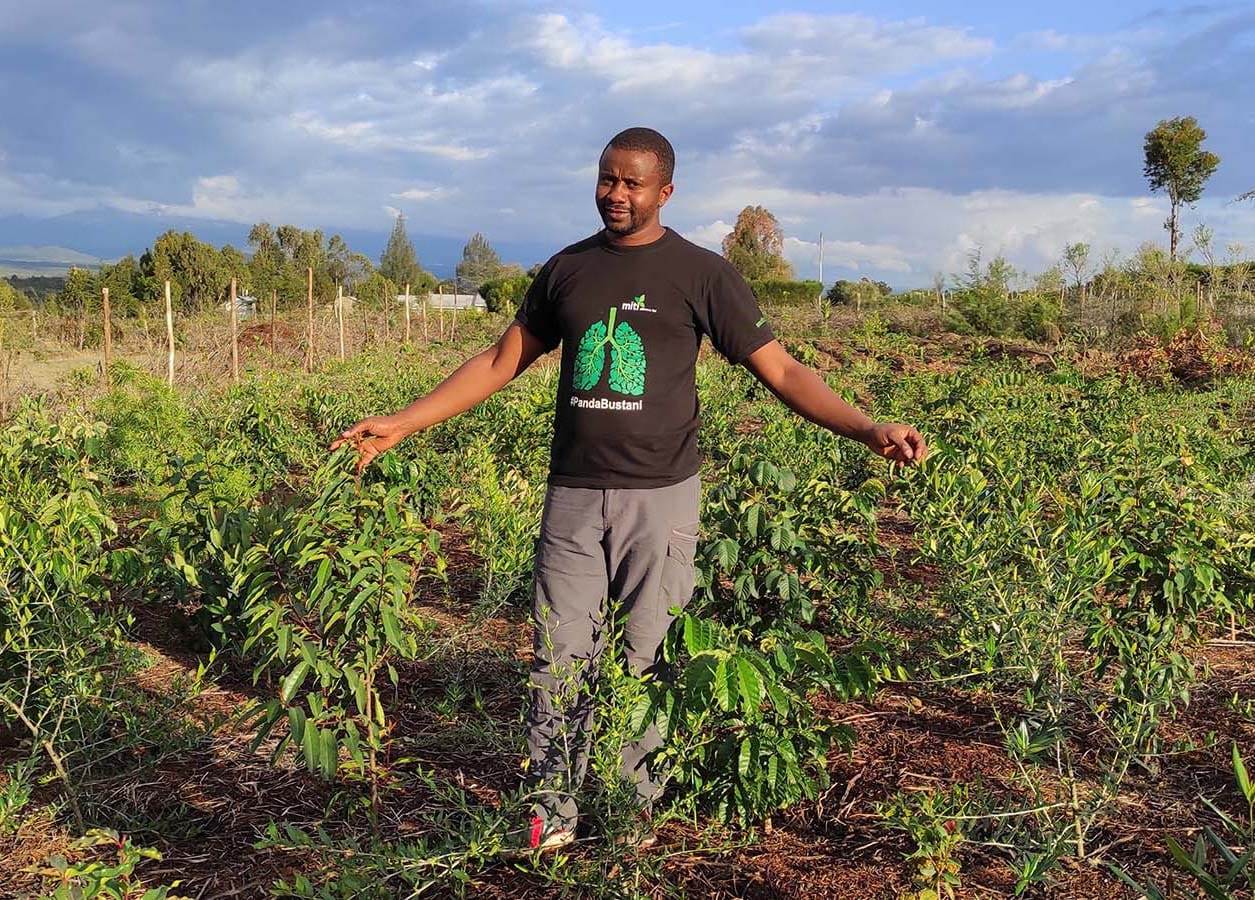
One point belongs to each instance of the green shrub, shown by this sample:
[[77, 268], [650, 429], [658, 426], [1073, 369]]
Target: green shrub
[[742, 735], [505, 294], [786, 293], [318, 594], [147, 424], [61, 655]]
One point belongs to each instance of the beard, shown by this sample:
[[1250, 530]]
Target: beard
[[625, 224]]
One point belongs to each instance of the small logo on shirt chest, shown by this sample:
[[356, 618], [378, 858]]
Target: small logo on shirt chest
[[637, 304]]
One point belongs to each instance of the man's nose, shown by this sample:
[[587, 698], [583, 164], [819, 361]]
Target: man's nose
[[618, 191]]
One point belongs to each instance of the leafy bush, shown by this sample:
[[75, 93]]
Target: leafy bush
[[330, 608], [503, 510], [505, 294], [96, 879], [786, 293], [61, 661], [741, 730], [147, 424], [319, 594], [760, 566]]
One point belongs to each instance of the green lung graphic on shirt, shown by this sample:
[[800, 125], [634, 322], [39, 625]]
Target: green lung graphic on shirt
[[627, 357]]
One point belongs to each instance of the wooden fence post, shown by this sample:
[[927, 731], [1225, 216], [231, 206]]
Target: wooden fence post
[[442, 312], [235, 339], [108, 332], [274, 301], [426, 334], [309, 321], [407, 313], [169, 338], [340, 316]]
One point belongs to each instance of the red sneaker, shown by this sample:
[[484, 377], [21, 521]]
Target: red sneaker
[[537, 837]]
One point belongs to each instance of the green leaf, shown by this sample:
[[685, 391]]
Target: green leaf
[[725, 686], [698, 635], [392, 629], [296, 723], [357, 685], [1243, 778], [312, 747], [330, 754], [320, 579], [294, 680], [751, 685], [753, 517], [642, 714], [745, 759]]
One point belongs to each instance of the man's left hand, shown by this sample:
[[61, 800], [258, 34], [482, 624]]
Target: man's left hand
[[899, 443]]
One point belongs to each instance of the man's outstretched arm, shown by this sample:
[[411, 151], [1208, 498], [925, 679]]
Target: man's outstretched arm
[[802, 390], [475, 380]]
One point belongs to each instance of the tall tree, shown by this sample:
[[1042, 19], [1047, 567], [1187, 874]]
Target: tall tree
[[235, 265], [399, 264], [338, 259], [266, 265], [194, 268], [755, 245], [1177, 163], [124, 283], [9, 297], [360, 270], [479, 263], [1076, 261]]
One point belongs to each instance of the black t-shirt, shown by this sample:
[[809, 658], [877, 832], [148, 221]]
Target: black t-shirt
[[630, 320]]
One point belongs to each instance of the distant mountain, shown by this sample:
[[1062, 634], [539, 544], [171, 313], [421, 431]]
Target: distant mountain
[[103, 235], [48, 255]]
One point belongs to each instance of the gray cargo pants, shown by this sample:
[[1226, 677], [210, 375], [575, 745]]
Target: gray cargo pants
[[637, 547]]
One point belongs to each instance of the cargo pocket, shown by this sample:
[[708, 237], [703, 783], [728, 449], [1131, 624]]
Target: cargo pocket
[[678, 576]]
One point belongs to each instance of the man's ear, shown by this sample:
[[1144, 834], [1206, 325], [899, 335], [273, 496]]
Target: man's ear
[[665, 194]]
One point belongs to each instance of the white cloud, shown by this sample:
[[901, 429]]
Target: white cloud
[[418, 195], [906, 143], [710, 236]]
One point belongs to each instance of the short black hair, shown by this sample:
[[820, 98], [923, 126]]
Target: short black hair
[[649, 141]]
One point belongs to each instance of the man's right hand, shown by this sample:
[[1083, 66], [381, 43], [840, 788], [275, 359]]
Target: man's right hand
[[371, 437]]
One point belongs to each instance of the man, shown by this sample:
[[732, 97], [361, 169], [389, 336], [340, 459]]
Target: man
[[628, 306]]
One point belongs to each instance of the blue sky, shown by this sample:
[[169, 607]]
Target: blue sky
[[909, 133]]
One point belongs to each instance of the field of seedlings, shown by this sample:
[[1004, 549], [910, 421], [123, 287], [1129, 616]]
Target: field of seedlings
[[229, 668]]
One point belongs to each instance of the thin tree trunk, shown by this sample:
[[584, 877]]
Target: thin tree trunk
[[274, 302]]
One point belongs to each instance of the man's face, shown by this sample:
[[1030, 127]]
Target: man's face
[[629, 190]]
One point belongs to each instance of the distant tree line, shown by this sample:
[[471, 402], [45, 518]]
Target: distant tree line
[[1151, 289], [276, 261]]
